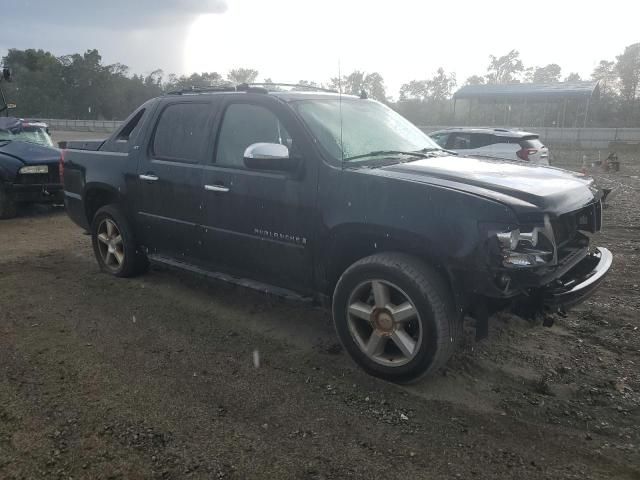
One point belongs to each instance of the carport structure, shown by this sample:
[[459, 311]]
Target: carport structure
[[562, 104]]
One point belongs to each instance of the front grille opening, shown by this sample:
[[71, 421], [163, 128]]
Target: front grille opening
[[567, 226], [39, 178]]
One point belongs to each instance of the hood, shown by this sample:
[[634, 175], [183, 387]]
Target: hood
[[526, 188], [30, 153]]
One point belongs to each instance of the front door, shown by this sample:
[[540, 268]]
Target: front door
[[259, 224], [169, 184]]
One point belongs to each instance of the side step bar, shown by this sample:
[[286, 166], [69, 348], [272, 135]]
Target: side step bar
[[243, 282]]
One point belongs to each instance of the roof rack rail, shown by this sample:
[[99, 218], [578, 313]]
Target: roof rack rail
[[212, 88], [294, 85], [246, 87]]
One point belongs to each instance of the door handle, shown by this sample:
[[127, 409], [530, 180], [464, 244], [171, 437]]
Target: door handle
[[216, 188], [148, 177]]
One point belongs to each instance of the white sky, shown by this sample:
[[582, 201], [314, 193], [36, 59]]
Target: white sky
[[290, 40]]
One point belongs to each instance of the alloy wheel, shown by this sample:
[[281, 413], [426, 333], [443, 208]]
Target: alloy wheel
[[384, 323], [110, 244]]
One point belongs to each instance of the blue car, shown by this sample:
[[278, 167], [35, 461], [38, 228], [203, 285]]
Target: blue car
[[29, 165]]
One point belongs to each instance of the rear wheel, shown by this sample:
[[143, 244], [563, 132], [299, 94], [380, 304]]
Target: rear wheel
[[395, 316], [114, 244], [7, 205]]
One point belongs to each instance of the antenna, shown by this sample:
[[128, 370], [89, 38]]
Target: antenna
[[340, 107]]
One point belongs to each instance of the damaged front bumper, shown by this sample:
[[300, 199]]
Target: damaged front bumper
[[580, 282], [37, 193]]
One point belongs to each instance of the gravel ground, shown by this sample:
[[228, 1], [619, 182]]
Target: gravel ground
[[155, 377]]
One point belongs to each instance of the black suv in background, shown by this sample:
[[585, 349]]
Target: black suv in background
[[339, 199]]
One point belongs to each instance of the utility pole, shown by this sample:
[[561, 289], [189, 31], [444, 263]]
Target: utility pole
[[6, 76]]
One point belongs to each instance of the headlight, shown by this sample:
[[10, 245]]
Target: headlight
[[509, 240], [526, 249], [34, 169]]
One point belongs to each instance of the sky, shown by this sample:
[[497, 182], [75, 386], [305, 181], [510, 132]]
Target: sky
[[291, 40]]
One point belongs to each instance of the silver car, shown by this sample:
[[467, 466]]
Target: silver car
[[494, 142]]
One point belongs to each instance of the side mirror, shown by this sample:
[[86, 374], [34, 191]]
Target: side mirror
[[6, 74], [269, 156]]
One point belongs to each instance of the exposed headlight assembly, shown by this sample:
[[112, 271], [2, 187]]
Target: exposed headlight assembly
[[527, 249], [34, 169]]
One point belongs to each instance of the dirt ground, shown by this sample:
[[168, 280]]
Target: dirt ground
[[155, 377]]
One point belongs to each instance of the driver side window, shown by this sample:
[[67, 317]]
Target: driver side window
[[244, 124], [441, 139]]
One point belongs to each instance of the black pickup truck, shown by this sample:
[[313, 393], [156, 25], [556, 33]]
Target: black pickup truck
[[338, 199]]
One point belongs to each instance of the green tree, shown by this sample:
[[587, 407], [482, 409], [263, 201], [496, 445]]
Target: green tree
[[428, 101], [242, 75], [475, 80], [628, 69], [505, 69], [374, 86], [195, 80], [38, 87], [414, 90], [437, 88], [573, 77], [305, 83], [75, 86], [356, 82], [441, 85], [606, 73], [547, 74]]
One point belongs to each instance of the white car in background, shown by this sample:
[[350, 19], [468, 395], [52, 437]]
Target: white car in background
[[494, 142]]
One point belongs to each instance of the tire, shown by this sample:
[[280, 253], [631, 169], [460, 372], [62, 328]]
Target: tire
[[114, 244], [396, 344], [7, 205]]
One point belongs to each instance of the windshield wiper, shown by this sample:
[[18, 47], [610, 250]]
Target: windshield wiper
[[378, 153], [437, 149]]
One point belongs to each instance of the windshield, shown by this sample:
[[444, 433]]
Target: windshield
[[28, 134], [367, 126]]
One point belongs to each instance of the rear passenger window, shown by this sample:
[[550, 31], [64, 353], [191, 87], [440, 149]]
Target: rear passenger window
[[460, 141], [243, 125], [182, 132], [479, 140]]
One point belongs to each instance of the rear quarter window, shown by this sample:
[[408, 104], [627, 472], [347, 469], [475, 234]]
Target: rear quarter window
[[531, 143]]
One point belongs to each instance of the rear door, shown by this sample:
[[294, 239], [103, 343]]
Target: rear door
[[259, 224], [472, 143], [506, 147], [483, 144], [168, 190]]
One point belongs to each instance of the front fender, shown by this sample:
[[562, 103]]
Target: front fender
[[9, 167], [347, 243]]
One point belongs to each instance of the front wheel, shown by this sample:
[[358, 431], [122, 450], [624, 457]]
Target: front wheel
[[395, 316], [114, 244]]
